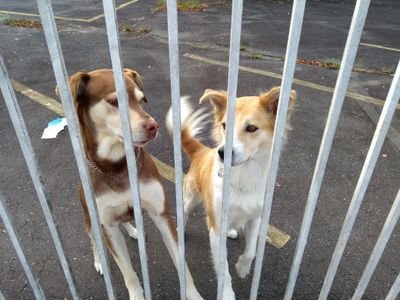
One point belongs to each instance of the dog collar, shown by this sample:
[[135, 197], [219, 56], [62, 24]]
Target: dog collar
[[99, 171]]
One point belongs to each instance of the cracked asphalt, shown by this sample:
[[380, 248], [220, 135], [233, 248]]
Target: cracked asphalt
[[205, 34]]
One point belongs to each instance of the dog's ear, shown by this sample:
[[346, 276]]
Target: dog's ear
[[78, 83], [136, 78], [270, 100], [218, 99]]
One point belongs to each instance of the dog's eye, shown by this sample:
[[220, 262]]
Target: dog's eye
[[223, 125], [251, 128], [113, 102]]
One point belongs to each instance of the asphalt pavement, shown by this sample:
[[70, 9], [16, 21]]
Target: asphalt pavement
[[204, 53]]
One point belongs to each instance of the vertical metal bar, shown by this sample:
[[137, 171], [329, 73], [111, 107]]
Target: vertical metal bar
[[395, 290], [34, 170], [272, 169], [2, 296], [12, 232], [362, 184], [60, 72], [172, 12], [349, 54], [379, 247], [119, 78], [234, 53]]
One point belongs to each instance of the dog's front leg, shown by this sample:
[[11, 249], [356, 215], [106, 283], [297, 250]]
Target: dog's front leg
[[214, 243], [156, 205], [167, 229], [116, 244], [243, 264], [190, 198]]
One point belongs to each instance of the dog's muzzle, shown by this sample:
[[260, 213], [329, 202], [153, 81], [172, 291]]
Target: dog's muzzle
[[237, 159]]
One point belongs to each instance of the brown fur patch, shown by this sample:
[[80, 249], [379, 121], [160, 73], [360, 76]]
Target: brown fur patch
[[190, 145], [88, 223], [147, 170], [199, 177], [126, 216], [167, 215]]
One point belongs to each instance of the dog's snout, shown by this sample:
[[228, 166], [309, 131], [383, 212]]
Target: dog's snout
[[221, 153], [151, 126]]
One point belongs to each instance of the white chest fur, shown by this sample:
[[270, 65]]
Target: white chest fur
[[113, 204], [246, 192]]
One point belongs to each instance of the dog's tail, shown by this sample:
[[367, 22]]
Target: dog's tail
[[191, 125]]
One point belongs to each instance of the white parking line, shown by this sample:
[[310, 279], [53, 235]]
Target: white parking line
[[380, 47]]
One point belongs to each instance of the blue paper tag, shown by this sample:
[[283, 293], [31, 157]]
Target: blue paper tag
[[55, 122]]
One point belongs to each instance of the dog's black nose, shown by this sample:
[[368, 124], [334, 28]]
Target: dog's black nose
[[221, 153]]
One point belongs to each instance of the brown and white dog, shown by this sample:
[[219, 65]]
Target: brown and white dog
[[253, 132], [97, 108]]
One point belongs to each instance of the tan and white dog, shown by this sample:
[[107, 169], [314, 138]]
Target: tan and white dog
[[253, 132], [97, 108]]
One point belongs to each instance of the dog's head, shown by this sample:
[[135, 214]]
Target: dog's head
[[97, 107], [254, 122]]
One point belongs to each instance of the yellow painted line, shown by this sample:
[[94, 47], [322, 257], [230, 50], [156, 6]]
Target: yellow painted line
[[308, 84], [16, 13], [86, 20], [380, 47], [275, 237], [117, 8], [47, 102], [165, 170]]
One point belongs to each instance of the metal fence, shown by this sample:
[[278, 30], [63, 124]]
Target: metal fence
[[353, 40]]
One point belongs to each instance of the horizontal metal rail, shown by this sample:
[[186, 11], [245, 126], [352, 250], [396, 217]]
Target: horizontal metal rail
[[117, 65], [60, 72], [12, 232], [34, 170], [296, 23]]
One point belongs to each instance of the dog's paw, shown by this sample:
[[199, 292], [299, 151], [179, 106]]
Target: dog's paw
[[243, 266], [232, 234], [97, 266], [131, 231]]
